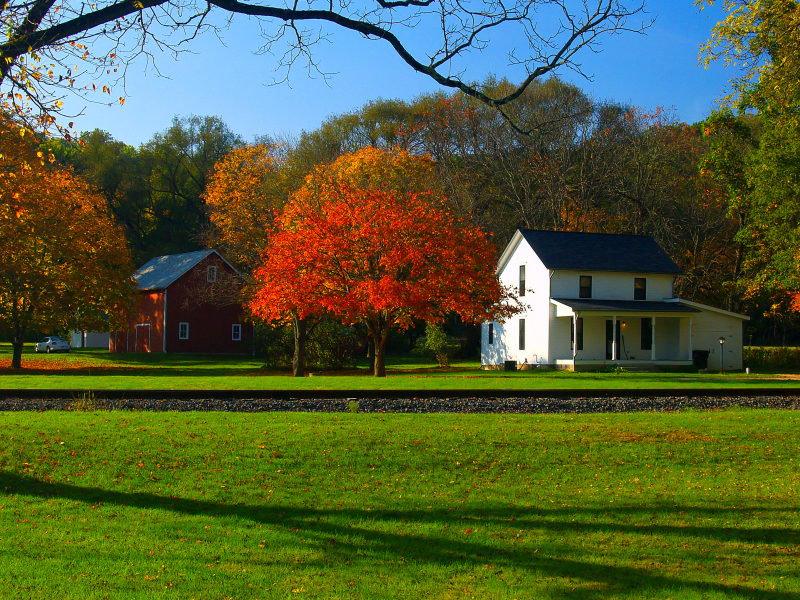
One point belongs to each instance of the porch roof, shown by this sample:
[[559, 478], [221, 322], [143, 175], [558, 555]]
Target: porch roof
[[586, 305]]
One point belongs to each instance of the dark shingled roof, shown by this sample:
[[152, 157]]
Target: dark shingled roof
[[160, 272], [575, 251], [592, 305]]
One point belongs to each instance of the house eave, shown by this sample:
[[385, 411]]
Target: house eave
[[714, 309]]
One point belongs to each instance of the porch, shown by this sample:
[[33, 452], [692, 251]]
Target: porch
[[641, 335]]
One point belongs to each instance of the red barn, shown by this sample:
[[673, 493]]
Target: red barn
[[185, 306]]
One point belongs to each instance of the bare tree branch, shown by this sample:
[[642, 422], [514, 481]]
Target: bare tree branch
[[42, 37]]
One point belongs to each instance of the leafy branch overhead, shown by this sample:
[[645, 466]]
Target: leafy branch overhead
[[49, 49]]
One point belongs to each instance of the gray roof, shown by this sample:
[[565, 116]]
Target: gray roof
[[158, 273], [624, 306], [575, 251]]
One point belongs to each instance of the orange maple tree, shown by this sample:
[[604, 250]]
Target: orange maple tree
[[64, 261], [379, 257]]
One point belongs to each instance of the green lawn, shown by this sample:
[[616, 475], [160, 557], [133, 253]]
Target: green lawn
[[690, 505], [98, 369]]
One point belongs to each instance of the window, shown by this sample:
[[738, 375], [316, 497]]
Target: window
[[491, 333], [586, 287], [236, 332], [183, 331], [576, 337], [522, 334], [522, 280], [647, 333], [211, 273], [640, 288]]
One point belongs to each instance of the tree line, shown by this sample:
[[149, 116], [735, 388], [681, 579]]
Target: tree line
[[587, 165]]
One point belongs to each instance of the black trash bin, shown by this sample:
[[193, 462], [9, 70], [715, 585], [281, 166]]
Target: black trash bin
[[510, 365], [700, 358]]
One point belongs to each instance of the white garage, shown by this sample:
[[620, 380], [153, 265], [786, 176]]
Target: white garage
[[711, 324]]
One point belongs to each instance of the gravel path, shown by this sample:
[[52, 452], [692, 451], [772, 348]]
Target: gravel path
[[575, 404]]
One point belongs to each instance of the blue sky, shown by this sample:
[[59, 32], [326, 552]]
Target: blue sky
[[659, 68]]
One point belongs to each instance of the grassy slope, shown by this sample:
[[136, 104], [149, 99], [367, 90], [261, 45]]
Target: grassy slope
[[141, 505], [95, 369]]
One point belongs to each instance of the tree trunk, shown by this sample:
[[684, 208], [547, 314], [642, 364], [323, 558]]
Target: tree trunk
[[16, 359], [378, 332], [380, 358], [299, 359], [371, 352]]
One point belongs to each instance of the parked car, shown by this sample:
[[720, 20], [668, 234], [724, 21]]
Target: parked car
[[52, 344]]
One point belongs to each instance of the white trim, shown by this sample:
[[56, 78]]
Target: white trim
[[164, 342], [510, 248]]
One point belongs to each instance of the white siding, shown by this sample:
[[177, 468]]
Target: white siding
[[707, 327], [610, 286], [668, 338], [536, 305]]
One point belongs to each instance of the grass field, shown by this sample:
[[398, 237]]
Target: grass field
[[98, 369], [676, 506]]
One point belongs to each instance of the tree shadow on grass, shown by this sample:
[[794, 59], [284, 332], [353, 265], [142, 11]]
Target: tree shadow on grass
[[350, 534]]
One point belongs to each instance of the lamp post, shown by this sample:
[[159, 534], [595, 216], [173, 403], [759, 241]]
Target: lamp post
[[721, 355]]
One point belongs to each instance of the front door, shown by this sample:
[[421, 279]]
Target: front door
[[610, 340]]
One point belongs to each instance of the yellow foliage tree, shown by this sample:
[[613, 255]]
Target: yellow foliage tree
[[242, 195], [64, 261]]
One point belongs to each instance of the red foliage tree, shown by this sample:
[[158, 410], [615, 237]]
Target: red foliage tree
[[379, 257]]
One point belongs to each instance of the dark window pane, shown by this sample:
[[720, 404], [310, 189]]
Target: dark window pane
[[586, 287], [647, 333], [640, 288]]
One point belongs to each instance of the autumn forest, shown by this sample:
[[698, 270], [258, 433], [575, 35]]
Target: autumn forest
[[587, 166], [720, 196]]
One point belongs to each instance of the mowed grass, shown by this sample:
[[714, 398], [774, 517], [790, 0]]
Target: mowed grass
[[98, 369], [225, 505]]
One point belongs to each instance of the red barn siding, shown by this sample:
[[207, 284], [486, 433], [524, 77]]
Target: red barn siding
[[210, 326], [145, 331]]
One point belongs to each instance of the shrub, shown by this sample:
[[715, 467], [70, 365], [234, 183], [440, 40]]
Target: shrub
[[772, 358], [330, 345]]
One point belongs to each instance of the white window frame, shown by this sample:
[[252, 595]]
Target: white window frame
[[211, 273], [236, 332], [183, 331]]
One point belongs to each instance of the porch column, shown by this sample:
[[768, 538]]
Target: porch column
[[614, 338], [574, 338], [690, 338], [653, 338]]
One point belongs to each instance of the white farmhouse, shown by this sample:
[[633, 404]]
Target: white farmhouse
[[594, 300]]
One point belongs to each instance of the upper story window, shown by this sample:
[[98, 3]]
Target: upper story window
[[640, 288], [585, 290], [183, 331], [236, 332], [491, 333], [211, 273], [522, 280]]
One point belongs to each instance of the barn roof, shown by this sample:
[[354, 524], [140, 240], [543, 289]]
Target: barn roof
[[576, 251], [161, 271]]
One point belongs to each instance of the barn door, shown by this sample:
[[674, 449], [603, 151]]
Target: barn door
[[143, 338]]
